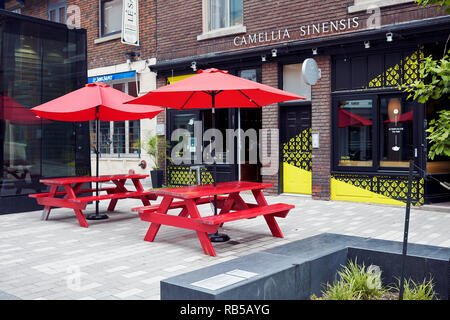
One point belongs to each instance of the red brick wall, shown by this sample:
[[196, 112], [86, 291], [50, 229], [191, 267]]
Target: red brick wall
[[180, 22], [111, 52], [320, 123], [270, 121]]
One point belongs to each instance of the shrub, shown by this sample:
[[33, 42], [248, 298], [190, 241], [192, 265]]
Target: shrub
[[355, 282]]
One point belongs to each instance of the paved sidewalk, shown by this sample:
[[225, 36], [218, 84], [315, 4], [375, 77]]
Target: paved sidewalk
[[57, 259]]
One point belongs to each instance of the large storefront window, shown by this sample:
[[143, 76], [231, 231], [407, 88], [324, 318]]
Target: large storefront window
[[374, 132], [39, 62], [355, 133]]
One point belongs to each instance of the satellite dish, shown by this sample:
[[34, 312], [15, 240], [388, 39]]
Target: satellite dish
[[311, 72]]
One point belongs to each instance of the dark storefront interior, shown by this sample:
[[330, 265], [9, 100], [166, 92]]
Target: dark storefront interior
[[226, 118], [40, 61], [377, 128]]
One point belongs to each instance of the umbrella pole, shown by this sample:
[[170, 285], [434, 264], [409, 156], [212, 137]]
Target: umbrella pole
[[97, 216], [216, 237]]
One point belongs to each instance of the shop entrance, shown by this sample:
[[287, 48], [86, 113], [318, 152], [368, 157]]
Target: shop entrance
[[295, 134]]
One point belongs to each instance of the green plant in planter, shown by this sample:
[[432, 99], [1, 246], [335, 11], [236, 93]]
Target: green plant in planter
[[155, 152], [416, 291], [355, 283]]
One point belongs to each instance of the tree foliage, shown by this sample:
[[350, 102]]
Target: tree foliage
[[434, 83], [443, 4]]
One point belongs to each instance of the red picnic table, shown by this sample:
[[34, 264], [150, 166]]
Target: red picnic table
[[232, 207], [69, 196]]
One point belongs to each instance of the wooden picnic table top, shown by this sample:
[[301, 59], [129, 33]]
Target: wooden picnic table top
[[70, 180], [192, 192]]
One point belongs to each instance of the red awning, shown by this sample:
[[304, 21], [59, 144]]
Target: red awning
[[405, 117], [14, 112], [347, 119]]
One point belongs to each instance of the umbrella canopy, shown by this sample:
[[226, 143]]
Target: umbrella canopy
[[347, 119], [94, 101], [229, 91]]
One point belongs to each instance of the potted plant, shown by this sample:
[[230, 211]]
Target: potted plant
[[156, 154]]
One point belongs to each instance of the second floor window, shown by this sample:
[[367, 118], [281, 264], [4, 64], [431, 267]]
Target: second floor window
[[110, 16], [57, 11], [224, 14]]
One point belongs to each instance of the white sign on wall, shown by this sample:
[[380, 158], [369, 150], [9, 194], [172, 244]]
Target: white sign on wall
[[130, 22]]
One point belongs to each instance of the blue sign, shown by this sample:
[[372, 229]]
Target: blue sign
[[111, 77]]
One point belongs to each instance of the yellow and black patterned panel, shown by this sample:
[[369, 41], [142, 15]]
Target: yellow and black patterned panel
[[403, 73], [178, 176], [394, 187], [297, 151], [397, 188]]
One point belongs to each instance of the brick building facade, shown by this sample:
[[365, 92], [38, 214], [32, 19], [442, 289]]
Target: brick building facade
[[338, 35], [345, 142], [123, 66]]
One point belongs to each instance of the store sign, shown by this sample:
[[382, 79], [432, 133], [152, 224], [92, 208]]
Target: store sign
[[130, 22], [310, 30], [111, 77]]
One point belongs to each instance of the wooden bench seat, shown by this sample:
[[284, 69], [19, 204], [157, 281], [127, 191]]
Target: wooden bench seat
[[121, 195], [277, 210], [178, 204], [58, 193]]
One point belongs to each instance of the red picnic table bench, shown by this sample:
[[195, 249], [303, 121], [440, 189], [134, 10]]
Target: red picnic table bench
[[69, 196], [232, 207]]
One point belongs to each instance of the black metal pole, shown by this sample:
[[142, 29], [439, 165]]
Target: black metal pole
[[97, 162], [216, 237], [405, 234], [97, 216]]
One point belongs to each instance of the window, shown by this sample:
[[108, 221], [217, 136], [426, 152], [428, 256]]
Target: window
[[222, 18], [354, 134], [224, 14], [396, 131], [374, 71], [57, 11], [118, 138], [294, 82], [363, 5], [110, 17], [374, 132]]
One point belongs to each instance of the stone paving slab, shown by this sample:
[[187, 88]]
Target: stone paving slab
[[57, 259]]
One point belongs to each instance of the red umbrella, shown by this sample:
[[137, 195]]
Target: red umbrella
[[346, 119], [213, 88], [95, 101]]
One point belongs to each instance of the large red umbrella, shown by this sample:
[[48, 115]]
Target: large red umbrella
[[95, 101], [213, 88]]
